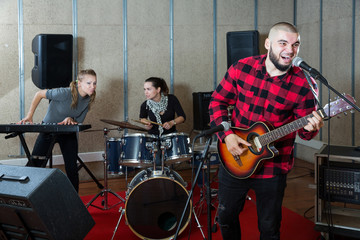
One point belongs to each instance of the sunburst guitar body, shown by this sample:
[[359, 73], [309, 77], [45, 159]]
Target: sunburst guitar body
[[261, 137], [247, 164]]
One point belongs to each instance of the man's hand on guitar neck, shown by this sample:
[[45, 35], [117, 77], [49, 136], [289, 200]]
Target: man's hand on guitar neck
[[315, 123], [235, 144]]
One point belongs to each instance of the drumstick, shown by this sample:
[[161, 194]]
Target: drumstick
[[146, 120]]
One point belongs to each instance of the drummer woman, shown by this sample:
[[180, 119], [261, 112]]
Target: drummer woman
[[68, 106], [162, 109]]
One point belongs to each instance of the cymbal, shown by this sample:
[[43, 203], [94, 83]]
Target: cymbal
[[100, 130], [123, 125]]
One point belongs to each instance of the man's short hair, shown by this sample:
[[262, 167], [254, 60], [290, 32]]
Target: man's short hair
[[284, 26]]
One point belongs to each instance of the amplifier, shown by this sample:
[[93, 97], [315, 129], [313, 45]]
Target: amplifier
[[201, 101], [40, 204], [340, 182]]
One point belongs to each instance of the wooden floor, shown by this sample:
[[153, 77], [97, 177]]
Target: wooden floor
[[299, 195]]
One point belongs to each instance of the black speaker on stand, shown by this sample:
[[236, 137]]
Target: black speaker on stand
[[53, 60], [201, 102], [241, 44], [40, 203]]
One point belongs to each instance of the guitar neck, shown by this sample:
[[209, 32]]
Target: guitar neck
[[282, 131]]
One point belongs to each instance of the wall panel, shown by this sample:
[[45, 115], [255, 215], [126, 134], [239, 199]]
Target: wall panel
[[193, 59], [100, 46], [337, 62]]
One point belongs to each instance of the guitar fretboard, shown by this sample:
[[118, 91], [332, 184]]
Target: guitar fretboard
[[282, 131]]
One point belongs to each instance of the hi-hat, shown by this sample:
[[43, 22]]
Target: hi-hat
[[123, 125]]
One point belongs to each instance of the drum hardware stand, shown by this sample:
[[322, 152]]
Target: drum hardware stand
[[162, 148], [153, 148], [164, 145], [122, 210], [208, 197], [198, 223], [204, 191], [126, 176], [104, 193]]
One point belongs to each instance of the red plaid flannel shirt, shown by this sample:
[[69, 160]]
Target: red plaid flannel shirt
[[258, 97]]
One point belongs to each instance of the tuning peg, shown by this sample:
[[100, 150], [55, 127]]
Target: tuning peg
[[345, 113], [352, 111]]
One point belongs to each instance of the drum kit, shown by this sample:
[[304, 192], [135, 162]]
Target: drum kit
[[156, 196]]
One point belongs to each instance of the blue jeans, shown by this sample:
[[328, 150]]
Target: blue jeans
[[232, 195]]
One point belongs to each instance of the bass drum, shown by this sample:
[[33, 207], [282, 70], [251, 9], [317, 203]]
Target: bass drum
[[155, 204]]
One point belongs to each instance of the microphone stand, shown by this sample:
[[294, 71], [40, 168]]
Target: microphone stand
[[208, 194], [317, 76]]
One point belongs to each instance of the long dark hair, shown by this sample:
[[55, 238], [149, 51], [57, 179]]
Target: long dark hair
[[159, 83]]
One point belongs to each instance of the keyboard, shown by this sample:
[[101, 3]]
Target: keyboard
[[43, 127]]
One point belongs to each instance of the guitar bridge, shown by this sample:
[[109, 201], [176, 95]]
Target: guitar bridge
[[238, 160]]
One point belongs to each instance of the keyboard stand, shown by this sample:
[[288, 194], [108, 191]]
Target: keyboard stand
[[14, 130], [82, 165], [49, 158]]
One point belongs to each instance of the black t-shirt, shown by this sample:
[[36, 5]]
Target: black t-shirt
[[173, 107]]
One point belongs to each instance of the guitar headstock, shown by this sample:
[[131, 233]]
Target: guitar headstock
[[339, 106]]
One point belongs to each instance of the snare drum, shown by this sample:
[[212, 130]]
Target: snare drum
[[177, 147], [137, 149], [155, 203]]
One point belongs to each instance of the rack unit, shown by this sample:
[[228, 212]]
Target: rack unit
[[337, 203]]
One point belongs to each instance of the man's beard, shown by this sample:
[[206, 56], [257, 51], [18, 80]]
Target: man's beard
[[276, 63]]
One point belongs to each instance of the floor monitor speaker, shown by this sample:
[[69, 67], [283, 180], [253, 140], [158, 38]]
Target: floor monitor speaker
[[40, 203], [53, 60], [241, 44]]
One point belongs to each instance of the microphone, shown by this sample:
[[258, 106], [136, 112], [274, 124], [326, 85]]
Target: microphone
[[224, 126], [298, 62]]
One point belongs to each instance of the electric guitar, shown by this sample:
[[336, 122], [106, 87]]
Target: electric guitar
[[261, 137]]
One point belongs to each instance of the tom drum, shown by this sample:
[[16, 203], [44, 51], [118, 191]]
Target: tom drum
[[177, 147], [137, 149]]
